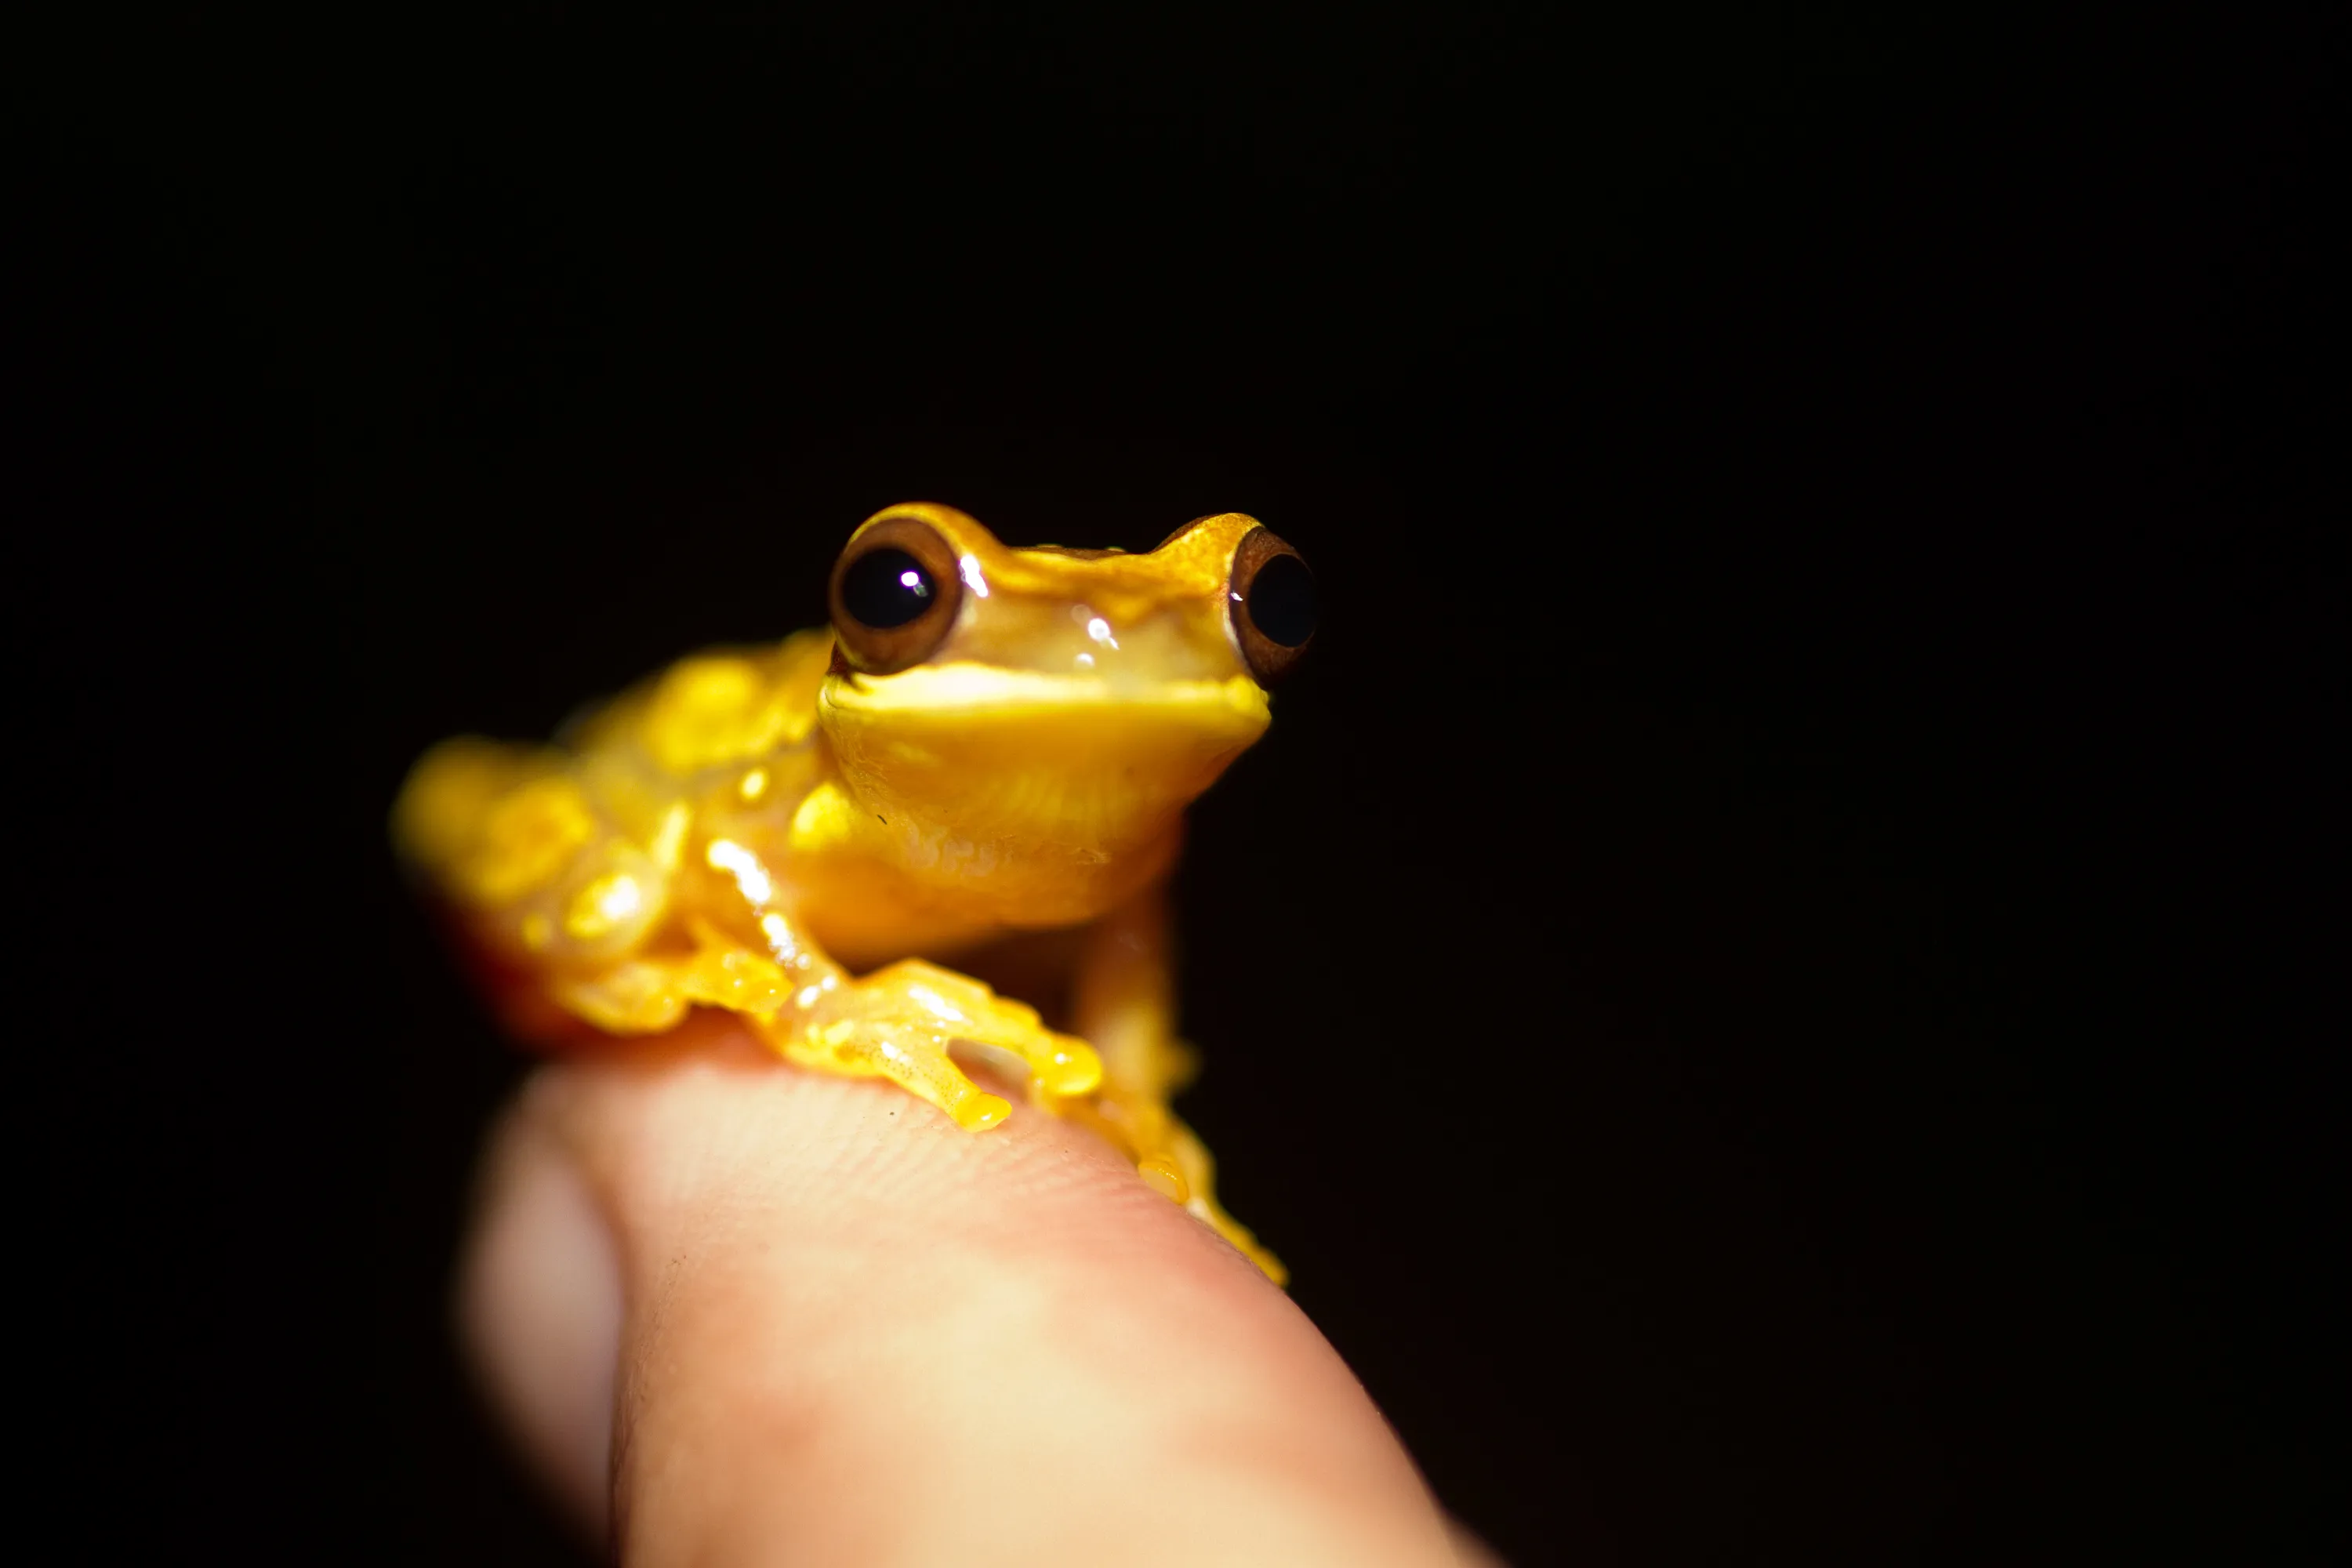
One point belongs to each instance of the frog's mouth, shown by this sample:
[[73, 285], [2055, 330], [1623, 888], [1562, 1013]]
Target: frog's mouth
[[974, 691]]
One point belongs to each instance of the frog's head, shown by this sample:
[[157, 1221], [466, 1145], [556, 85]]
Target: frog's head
[[1039, 718]]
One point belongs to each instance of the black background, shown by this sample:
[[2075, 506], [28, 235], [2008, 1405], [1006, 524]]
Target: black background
[[1768, 981]]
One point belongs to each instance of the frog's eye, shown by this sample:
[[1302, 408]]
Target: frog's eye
[[1271, 599], [895, 593]]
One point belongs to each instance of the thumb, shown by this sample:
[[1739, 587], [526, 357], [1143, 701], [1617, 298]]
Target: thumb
[[738, 1313]]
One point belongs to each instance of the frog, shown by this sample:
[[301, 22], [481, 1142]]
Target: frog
[[988, 751]]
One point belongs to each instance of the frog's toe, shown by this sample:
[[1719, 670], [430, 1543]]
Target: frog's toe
[[1164, 1177], [1066, 1066], [980, 1111], [924, 1071]]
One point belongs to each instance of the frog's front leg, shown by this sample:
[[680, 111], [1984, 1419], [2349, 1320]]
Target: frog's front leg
[[1125, 1002], [898, 1023]]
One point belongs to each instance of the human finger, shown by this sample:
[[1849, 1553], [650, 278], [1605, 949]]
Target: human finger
[[736, 1311]]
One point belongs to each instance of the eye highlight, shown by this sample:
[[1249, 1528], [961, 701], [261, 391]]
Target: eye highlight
[[895, 594], [1272, 603]]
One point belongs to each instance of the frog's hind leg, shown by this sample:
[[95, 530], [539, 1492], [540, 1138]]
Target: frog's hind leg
[[1125, 1003], [546, 878], [1171, 1157], [1192, 1159]]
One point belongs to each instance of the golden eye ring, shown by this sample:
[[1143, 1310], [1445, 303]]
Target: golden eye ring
[[1270, 599], [894, 595]]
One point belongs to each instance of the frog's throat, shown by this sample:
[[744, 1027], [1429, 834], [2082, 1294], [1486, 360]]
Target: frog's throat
[[1036, 775]]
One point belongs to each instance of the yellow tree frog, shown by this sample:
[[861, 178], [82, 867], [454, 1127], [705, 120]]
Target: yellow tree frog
[[988, 752]]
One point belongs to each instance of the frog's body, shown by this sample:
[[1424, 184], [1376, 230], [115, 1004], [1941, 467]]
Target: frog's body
[[793, 833]]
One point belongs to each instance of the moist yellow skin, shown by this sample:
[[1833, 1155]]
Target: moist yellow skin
[[762, 831]]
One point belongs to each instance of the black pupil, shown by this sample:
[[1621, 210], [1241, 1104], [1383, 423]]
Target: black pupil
[[1282, 601], [886, 588]]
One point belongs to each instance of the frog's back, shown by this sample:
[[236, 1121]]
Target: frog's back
[[569, 854]]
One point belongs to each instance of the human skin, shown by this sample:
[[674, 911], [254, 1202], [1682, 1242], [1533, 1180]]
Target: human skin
[[734, 1313]]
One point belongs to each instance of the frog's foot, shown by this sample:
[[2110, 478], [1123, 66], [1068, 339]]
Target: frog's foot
[[1173, 1162], [1199, 1171], [901, 1023]]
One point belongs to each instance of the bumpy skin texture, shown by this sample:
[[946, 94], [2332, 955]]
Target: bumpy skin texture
[[773, 832]]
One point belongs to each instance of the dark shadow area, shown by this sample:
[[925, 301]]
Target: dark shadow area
[[1768, 979]]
